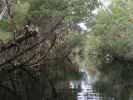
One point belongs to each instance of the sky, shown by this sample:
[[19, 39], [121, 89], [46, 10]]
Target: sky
[[105, 3]]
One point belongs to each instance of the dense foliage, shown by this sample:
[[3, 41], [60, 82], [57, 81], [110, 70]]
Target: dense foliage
[[39, 36], [109, 46]]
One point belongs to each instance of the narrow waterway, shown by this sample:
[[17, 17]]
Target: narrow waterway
[[84, 89], [85, 85]]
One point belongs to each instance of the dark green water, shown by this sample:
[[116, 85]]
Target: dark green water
[[88, 89]]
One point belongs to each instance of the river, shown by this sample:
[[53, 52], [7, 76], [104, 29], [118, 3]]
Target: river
[[84, 89], [85, 85]]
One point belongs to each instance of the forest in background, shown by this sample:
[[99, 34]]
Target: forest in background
[[37, 39], [42, 44]]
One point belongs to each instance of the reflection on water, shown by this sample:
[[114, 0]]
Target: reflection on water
[[84, 88], [88, 88]]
